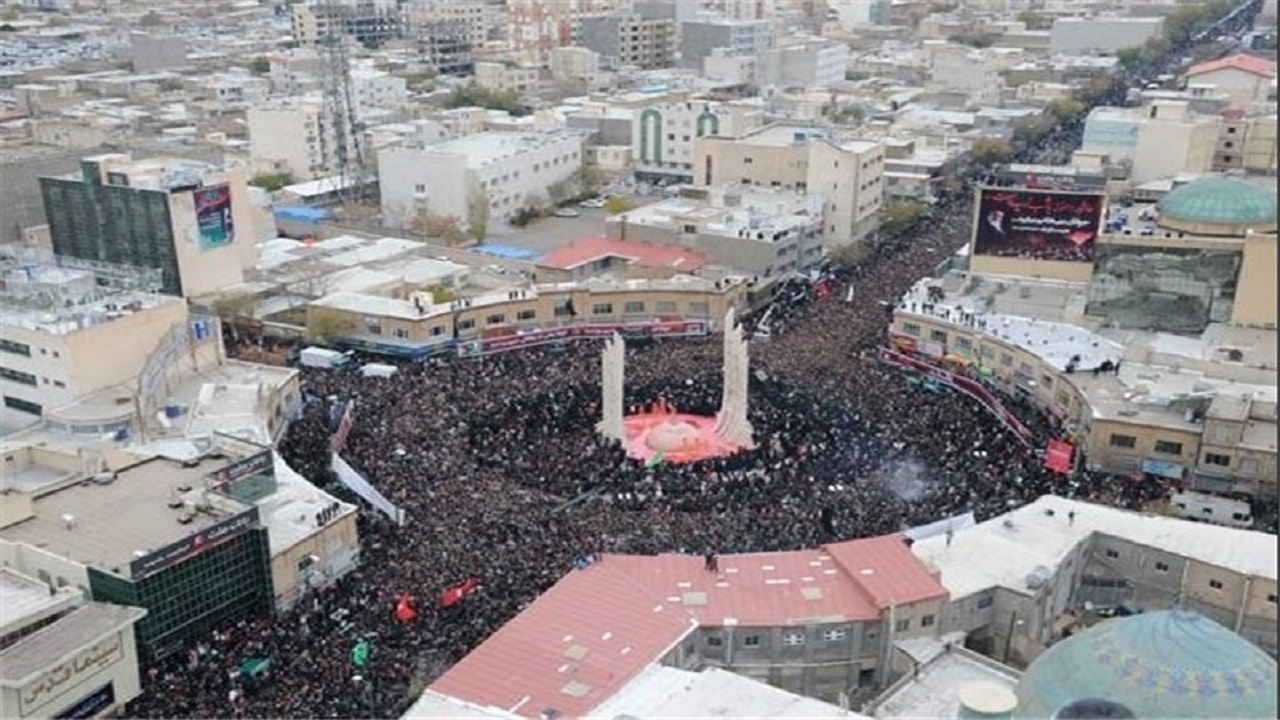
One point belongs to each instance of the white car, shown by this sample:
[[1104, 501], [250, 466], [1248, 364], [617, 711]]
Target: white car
[[596, 203], [567, 213]]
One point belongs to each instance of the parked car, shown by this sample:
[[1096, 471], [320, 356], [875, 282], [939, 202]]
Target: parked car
[[595, 202], [567, 213]]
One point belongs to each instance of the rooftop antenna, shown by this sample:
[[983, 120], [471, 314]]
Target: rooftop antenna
[[341, 141]]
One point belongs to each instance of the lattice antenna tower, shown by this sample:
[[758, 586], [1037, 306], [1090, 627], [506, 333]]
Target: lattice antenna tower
[[341, 144]]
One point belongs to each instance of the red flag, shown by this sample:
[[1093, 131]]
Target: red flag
[[1058, 456], [404, 609], [458, 593]]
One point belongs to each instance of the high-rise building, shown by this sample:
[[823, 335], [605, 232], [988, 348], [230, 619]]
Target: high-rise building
[[371, 22], [190, 220], [644, 38]]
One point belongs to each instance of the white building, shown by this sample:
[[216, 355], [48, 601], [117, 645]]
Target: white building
[[478, 178], [293, 135], [975, 72], [662, 135], [1246, 79], [235, 90], [63, 655], [574, 63], [294, 72], [754, 230], [1158, 141], [1082, 36], [803, 62], [374, 90]]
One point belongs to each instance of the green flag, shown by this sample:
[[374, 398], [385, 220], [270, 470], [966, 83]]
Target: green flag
[[360, 653], [654, 461]]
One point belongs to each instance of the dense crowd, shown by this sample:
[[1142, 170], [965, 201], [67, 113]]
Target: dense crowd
[[504, 479]]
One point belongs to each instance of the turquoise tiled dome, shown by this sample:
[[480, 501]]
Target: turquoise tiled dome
[[1169, 664], [1219, 201]]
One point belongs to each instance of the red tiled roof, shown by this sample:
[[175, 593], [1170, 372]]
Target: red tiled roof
[[571, 256], [887, 570], [596, 629], [1240, 61]]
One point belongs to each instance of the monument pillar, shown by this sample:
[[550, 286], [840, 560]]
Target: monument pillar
[[732, 424], [613, 360]]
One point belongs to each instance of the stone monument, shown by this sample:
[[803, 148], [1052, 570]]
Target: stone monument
[[732, 424], [613, 361]]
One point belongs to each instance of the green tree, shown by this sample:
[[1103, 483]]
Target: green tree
[[617, 205], [900, 217], [478, 211], [272, 182], [987, 152], [1064, 110], [473, 95], [1131, 58]]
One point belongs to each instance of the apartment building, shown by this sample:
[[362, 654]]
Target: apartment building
[[803, 63], [446, 45], [1245, 79], [701, 36], [847, 174], [535, 27], [977, 73], [1246, 143], [370, 22], [757, 231], [295, 135], [663, 134], [480, 178], [417, 326], [507, 77], [295, 71], [466, 19], [190, 220], [643, 38], [573, 63], [64, 655], [1160, 140]]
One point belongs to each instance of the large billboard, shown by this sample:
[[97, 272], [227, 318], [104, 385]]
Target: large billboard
[[213, 216], [1037, 224]]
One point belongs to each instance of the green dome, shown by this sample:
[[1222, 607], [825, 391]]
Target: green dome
[[1219, 201], [1168, 664]]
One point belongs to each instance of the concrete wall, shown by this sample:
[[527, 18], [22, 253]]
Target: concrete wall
[[336, 550], [1256, 298], [120, 671]]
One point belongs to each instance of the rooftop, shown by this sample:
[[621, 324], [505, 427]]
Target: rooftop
[[667, 692], [575, 255], [493, 147], [1241, 61], [1005, 550], [57, 301], [1220, 201], [945, 669], [747, 213], [105, 525], [83, 627], [598, 628], [24, 600]]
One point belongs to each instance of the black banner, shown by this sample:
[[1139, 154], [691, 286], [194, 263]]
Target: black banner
[[252, 465], [92, 704], [1037, 224], [193, 544]]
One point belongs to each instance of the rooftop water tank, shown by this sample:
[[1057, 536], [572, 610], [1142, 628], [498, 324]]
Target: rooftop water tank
[[983, 700]]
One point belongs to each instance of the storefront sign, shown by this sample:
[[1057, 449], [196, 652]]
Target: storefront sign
[[61, 678], [92, 705], [1163, 468], [488, 346], [252, 465], [193, 544]]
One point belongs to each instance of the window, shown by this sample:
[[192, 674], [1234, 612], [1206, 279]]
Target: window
[[964, 344], [1168, 447], [1215, 584], [1112, 553], [1249, 467], [751, 641], [665, 307], [436, 331], [306, 562], [602, 309], [527, 315], [495, 319], [911, 329], [563, 307], [714, 641], [699, 308], [1046, 381], [937, 336], [1123, 441], [21, 405], [633, 307], [1217, 459], [747, 161], [17, 376], [1162, 566], [419, 188], [793, 639], [926, 621], [16, 348], [833, 635], [59, 383], [1271, 598], [400, 333], [1006, 360], [902, 625], [466, 324]]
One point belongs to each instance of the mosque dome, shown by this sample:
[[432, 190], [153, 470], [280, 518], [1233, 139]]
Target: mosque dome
[[1168, 664], [1219, 206]]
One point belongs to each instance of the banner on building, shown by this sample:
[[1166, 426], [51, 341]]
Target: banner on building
[[1059, 456], [968, 386], [348, 476], [343, 431], [193, 544], [213, 216], [488, 346], [1037, 224]]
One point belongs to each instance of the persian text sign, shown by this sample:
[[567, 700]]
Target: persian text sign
[[1037, 224], [193, 544], [567, 333], [970, 387]]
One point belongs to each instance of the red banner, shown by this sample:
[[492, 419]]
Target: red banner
[[488, 346], [968, 386], [1058, 456]]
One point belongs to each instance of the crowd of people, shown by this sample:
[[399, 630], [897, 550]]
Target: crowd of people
[[504, 480]]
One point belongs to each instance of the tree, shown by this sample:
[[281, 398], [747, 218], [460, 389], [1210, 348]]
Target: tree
[[272, 182], [473, 95], [851, 254], [1130, 58], [900, 217], [478, 211], [441, 294], [260, 66], [436, 227], [324, 326], [617, 205], [10, 13], [1066, 110], [987, 152], [1034, 20]]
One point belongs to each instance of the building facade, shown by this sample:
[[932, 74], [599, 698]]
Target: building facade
[[700, 37], [294, 136], [803, 63], [847, 174], [644, 39], [190, 220], [1161, 140], [663, 135]]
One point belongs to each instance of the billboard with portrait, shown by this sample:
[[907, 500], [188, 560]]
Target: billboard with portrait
[[213, 216], [1037, 224]]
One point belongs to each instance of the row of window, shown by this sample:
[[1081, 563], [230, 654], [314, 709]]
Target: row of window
[[1163, 567], [563, 308], [16, 348], [797, 638], [21, 405], [1168, 447]]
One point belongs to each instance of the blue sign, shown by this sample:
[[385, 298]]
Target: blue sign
[[202, 329], [92, 704], [1163, 468]]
